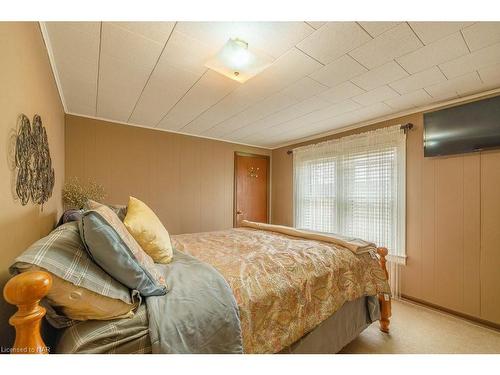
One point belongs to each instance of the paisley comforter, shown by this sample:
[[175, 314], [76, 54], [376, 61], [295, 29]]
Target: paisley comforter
[[284, 286]]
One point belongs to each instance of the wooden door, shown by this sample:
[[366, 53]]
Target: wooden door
[[251, 188]]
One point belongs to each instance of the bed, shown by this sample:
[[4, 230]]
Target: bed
[[296, 292]]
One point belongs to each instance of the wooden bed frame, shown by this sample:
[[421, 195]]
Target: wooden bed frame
[[27, 289]]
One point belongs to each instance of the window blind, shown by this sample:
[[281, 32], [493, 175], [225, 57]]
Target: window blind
[[355, 186]]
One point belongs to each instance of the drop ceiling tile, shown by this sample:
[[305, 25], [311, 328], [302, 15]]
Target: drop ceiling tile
[[341, 92], [393, 43], [304, 89], [490, 76], [156, 31], [418, 80], [121, 75], [186, 53], [334, 40], [482, 34], [315, 24], [443, 50], [254, 113], [380, 76], [128, 46], [165, 88], [287, 69], [272, 38], [429, 32], [410, 100], [462, 85], [210, 89], [473, 61], [75, 47], [376, 28], [338, 71], [377, 95]]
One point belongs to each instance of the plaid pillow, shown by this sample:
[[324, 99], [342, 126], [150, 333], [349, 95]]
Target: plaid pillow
[[63, 254]]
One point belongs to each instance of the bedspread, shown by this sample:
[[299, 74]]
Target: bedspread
[[284, 286]]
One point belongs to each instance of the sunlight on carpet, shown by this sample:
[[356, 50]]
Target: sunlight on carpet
[[417, 329]]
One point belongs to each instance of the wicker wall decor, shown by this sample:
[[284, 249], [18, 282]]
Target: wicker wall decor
[[35, 175]]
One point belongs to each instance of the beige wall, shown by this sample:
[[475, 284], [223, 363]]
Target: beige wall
[[453, 224], [188, 181], [28, 87]]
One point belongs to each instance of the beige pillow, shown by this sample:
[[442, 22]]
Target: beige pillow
[[148, 231], [78, 303]]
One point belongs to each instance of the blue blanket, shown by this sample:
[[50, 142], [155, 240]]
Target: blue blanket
[[198, 314]]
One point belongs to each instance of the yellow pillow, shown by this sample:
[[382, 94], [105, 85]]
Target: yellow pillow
[[78, 303], [148, 231]]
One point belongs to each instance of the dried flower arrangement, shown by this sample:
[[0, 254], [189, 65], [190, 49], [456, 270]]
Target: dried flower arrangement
[[75, 194]]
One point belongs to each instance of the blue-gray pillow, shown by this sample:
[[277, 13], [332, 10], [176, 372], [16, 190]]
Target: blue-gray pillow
[[116, 251]]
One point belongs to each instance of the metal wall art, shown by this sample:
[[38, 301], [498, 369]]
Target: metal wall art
[[35, 175]]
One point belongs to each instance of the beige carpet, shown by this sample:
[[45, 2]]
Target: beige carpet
[[417, 329]]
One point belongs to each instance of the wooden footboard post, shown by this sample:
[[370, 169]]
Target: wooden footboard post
[[25, 291], [384, 299]]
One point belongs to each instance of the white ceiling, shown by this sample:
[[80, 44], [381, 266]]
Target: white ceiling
[[325, 75]]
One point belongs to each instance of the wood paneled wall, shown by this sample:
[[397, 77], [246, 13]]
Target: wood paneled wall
[[187, 181], [453, 223], [28, 87]]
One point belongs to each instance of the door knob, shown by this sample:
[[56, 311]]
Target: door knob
[[239, 212]]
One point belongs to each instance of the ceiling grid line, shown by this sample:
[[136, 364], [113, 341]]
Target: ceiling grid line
[[308, 55], [465, 41], [152, 71], [182, 97], [443, 73], [402, 67], [415, 33], [366, 31], [360, 63]]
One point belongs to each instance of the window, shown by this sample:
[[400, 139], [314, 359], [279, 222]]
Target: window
[[354, 186]]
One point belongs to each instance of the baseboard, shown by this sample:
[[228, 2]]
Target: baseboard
[[470, 318]]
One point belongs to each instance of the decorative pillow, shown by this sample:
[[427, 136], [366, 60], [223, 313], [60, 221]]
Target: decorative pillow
[[63, 254], [69, 215], [119, 210], [117, 252], [148, 231], [78, 303]]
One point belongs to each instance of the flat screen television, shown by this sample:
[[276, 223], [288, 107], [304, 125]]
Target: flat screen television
[[465, 128]]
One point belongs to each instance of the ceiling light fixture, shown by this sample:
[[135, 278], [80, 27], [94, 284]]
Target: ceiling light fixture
[[237, 62]]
